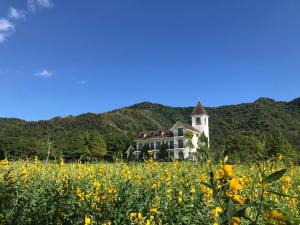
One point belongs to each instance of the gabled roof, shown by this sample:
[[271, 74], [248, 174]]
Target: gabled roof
[[186, 126], [190, 127], [199, 110]]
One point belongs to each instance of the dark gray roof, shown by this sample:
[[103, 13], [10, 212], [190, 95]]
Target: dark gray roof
[[199, 110], [156, 134], [189, 127]]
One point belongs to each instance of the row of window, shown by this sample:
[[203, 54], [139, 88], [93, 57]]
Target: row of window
[[158, 144]]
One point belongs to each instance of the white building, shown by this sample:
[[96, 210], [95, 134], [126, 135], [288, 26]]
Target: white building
[[174, 139]]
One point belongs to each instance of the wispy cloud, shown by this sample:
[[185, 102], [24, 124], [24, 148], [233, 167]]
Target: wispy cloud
[[34, 4], [44, 73], [6, 29], [82, 82], [16, 14]]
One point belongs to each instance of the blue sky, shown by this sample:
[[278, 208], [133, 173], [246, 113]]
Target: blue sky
[[69, 57]]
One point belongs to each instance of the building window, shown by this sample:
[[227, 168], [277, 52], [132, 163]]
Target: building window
[[198, 121], [171, 144], [205, 121], [157, 145], [180, 131], [152, 146], [180, 143], [140, 146]]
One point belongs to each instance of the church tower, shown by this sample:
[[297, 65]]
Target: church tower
[[200, 120]]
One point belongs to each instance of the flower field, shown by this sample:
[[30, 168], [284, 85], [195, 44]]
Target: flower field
[[35, 192]]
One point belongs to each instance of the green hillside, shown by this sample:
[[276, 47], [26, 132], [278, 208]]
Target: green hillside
[[118, 128]]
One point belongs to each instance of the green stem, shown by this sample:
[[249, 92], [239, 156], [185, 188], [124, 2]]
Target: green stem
[[261, 197]]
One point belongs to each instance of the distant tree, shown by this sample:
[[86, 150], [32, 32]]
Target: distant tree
[[2, 154], [145, 152], [96, 145], [77, 146], [130, 157], [117, 142], [202, 149], [203, 140], [244, 148], [163, 153], [189, 144], [276, 143], [181, 155]]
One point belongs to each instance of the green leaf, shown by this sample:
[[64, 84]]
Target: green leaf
[[281, 194], [243, 207], [230, 208], [274, 176]]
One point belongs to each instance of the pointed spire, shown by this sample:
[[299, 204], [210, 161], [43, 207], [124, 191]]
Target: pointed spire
[[199, 110]]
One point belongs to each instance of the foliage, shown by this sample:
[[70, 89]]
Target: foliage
[[34, 192], [163, 154], [244, 148], [189, 136], [130, 155], [261, 119]]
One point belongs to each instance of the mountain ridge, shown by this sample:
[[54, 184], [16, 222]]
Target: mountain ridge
[[119, 127]]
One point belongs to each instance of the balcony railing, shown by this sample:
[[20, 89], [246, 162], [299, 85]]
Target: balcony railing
[[178, 146]]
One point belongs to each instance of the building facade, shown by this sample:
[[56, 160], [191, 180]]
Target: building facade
[[174, 141]]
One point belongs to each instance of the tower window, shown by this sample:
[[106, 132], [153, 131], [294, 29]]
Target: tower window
[[205, 121], [198, 121]]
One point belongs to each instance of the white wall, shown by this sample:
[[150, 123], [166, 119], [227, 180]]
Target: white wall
[[203, 127]]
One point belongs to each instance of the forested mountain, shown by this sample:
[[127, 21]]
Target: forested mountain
[[114, 131]]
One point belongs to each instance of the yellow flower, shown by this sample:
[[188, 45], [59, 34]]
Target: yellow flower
[[179, 199], [239, 199], [180, 193], [80, 194], [96, 185], [87, 221], [153, 210], [132, 216], [148, 222], [228, 170], [279, 156], [220, 173], [216, 211], [276, 216], [140, 216], [235, 185], [235, 220], [4, 162], [193, 190]]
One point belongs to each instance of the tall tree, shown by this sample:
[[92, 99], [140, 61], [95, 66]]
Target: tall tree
[[96, 144], [277, 143]]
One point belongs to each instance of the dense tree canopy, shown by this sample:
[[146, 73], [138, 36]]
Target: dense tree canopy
[[236, 129]]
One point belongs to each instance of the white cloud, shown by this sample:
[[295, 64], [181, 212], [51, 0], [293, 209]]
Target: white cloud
[[16, 14], [82, 82], [6, 29], [6, 25], [44, 3], [44, 73], [33, 4]]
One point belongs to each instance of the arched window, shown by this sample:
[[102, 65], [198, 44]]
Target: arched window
[[198, 121]]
